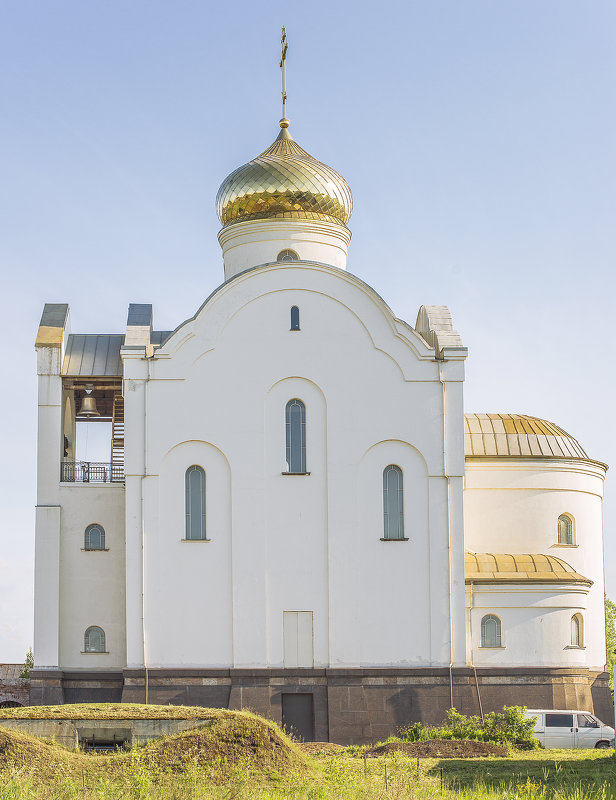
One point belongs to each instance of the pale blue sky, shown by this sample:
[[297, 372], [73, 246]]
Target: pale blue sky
[[477, 137]]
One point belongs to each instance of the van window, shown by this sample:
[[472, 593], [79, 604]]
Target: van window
[[586, 721], [559, 720]]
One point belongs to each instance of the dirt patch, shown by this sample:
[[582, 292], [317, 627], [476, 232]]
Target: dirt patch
[[441, 748], [319, 748]]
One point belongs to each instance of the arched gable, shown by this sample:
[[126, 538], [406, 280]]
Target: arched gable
[[393, 337]]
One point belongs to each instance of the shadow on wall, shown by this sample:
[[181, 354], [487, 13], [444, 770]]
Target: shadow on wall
[[602, 703]]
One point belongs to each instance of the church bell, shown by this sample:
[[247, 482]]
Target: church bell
[[88, 405]]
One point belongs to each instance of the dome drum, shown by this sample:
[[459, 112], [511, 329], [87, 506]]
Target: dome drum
[[248, 244]]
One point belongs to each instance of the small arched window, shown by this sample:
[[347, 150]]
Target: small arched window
[[94, 640], [577, 631], [393, 503], [491, 631], [295, 424], [565, 529], [94, 538], [287, 255], [195, 502], [294, 318]]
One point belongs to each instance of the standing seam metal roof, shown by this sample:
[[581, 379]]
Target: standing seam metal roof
[[98, 354], [519, 568], [518, 435]]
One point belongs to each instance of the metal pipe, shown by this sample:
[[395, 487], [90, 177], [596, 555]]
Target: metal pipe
[[470, 635]]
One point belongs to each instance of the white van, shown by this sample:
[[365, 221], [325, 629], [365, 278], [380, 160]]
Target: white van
[[556, 728]]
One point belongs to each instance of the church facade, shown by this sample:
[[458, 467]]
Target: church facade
[[296, 516]]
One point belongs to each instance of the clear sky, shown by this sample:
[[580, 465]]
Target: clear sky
[[477, 137]]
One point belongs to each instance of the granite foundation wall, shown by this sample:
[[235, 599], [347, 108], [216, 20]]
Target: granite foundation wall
[[354, 706]]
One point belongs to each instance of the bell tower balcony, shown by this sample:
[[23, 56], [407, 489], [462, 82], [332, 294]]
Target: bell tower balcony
[[93, 435], [93, 430]]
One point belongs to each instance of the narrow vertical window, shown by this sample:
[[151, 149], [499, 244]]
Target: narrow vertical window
[[295, 423], [195, 503], [565, 529], [393, 506], [491, 631], [94, 538], [294, 318], [94, 640], [577, 631]]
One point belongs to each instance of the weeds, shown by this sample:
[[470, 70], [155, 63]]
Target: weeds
[[509, 727], [243, 757]]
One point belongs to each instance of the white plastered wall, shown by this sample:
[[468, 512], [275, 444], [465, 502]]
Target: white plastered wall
[[48, 512], [512, 506], [92, 585], [536, 625], [188, 583], [294, 543]]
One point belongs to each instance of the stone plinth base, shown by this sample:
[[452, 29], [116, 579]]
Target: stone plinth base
[[350, 706], [54, 687]]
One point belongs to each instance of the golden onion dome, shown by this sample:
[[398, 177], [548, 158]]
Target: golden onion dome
[[284, 182]]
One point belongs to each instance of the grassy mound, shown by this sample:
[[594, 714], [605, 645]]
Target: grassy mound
[[234, 740], [113, 711], [237, 740], [20, 752], [441, 748]]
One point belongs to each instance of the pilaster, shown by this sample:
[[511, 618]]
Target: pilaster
[[50, 345], [134, 357]]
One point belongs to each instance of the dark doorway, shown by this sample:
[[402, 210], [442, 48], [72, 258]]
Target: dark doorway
[[298, 716]]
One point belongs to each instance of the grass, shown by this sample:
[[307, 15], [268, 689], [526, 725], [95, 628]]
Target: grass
[[112, 711], [549, 773], [241, 756], [553, 775]]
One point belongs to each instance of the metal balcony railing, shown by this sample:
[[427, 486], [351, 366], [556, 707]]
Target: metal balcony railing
[[91, 472]]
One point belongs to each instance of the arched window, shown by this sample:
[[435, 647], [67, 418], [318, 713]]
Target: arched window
[[195, 502], [393, 504], [94, 538], [94, 640], [577, 631], [295, 423], [294, 318], [491, 631], [565, 529], [287, 255]]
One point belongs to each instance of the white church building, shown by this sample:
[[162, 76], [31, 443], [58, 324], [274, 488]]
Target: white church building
[[295, 515]]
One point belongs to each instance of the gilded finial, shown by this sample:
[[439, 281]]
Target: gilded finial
[[284, 122]]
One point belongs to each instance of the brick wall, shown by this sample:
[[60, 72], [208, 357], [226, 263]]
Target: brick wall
[[14, 689]]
